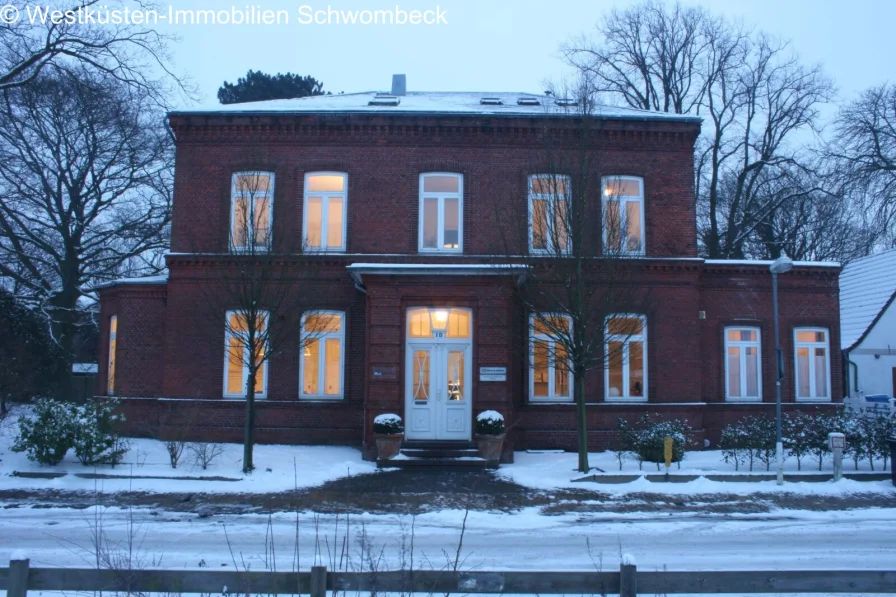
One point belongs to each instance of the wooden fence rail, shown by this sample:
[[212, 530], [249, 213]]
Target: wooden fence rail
[[19, 578]]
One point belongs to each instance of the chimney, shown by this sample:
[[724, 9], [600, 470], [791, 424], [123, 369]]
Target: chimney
[[399, 84]]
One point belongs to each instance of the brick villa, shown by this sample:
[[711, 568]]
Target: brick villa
[[394, 197]]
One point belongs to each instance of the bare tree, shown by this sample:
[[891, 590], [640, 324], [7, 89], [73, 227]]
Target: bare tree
[[264, 294], [583, 307], [85, 164], [865, 155], [759, 101], [63, 35]]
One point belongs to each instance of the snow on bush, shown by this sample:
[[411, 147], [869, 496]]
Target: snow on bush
[[388, 423], [490, 422], [646, 441], [47, 434], [54, 427], [750, 439]]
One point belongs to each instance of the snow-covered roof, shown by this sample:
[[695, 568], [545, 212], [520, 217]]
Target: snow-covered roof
[[434, 102], [768, 263], [163, 279], [867, 285]]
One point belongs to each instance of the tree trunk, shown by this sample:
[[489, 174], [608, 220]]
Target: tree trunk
[[249, 432], [64, 325], [581, 423]]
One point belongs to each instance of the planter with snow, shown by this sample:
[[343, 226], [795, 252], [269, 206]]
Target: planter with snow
[[490, 435], [389, 433]]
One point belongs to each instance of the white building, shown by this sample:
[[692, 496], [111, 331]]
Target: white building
[[868, 324]]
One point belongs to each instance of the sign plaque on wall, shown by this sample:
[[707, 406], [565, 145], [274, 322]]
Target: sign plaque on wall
[[383, 372], [493, 374]]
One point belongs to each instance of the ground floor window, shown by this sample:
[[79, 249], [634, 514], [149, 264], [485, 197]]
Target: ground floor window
[[743, 375], [323, 355], [236, 356], [625, 356], [812, 358], [113, 345], [550, 378]]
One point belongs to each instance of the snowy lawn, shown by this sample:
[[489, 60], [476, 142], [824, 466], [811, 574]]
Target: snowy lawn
[[290, 467], [557, 470]]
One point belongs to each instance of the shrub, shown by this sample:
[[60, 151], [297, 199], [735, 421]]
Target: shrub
[[388, 424], [48, 434], [490, 422], [736, 445], [798, 436], [204, 453], [647, 439], [820, 424], [96, 438], [879, 426]]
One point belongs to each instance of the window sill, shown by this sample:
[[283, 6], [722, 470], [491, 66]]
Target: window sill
[[549, 402], [242, 397], [303, 398], [816, 400], [619, 400], [743, 400]]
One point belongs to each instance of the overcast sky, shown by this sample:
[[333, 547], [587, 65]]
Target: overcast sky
[[503, 45]]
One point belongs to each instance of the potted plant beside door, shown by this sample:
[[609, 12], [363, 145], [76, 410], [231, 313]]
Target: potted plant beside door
[[389, 432], [490, 435]]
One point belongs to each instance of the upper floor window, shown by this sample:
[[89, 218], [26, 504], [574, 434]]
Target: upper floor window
[[441, 212], [113, 345], [813, 365], [743, 370], [623, 202], [323, 355], [550, 374], [325, 211], [626, 358], [236, 355], [252, 198], [548, 222]]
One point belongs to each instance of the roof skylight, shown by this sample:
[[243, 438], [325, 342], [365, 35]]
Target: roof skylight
[[491, 101]]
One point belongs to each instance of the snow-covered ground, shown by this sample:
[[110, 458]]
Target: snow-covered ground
[[858, 539], [556, 470], [278, 468]]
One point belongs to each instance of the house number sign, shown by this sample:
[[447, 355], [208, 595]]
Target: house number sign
[[493, 374]]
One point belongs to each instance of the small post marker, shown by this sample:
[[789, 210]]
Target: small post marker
[[667, 454], [628, 570], [18, 575], [837, 442]]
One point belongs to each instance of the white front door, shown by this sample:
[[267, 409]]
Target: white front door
[[438, 383]]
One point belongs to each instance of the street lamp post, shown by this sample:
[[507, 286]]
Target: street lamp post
[[781, 265]]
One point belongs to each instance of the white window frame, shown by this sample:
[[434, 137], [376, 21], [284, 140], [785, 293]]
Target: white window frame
[[228, 334], [533, 337], [235, 194], [112, 363], [322, 356], [440, 232], [551, 197], [325, 213], [623, 213], [811, 345], [742, 344], [625, 339]]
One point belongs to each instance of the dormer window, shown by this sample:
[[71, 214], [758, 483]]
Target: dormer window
[[441, 212]]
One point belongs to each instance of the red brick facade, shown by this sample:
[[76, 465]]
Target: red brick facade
[[170, 355]]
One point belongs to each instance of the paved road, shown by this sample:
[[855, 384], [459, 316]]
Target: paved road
[[525, 540]]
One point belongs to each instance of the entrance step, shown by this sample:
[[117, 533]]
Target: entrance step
[[463, 454]]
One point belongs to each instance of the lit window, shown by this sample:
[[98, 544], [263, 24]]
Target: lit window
[[113, 345], [325, 211], [743, 367], [237, 347], [441, 212], [623, 201], [626, 358], [252, 198], [323, 350], [550, 375], [813, 370], [548, 224]]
